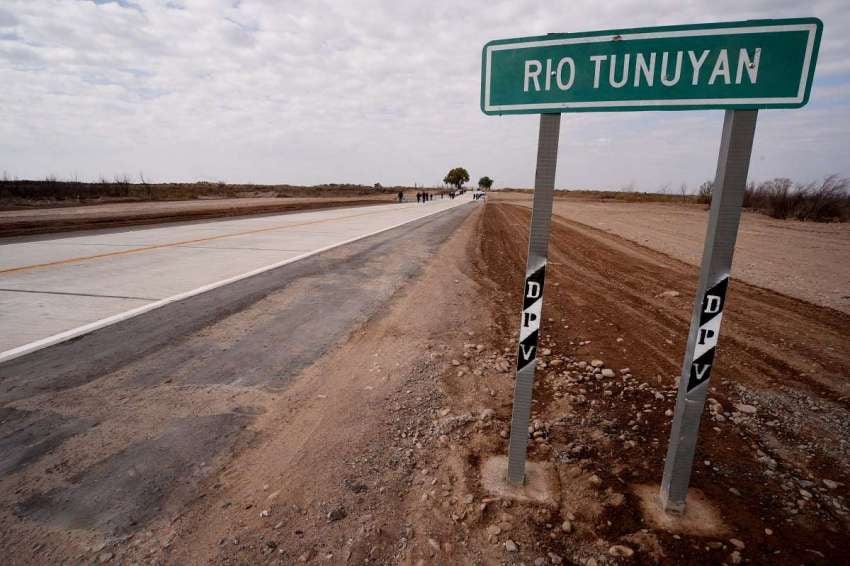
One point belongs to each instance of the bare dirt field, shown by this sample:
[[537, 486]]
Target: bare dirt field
[[374, 452], [807, 260], [773, 461], [112, 215]]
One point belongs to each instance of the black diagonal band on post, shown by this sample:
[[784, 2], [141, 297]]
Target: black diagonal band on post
[[538, 243]]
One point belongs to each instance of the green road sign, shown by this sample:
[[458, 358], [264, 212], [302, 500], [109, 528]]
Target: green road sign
[[738, 65]]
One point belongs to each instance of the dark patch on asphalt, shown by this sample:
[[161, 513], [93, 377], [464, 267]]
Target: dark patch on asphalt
[[343, 291], [26, 436], [124, 491], [292, 328]]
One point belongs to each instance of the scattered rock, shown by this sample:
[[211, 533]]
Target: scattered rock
[[511, 546], [567, 526], [737, 543], [494, 530], [555, 559], [597, 363], [105, 557], [669, 293], [487, 414], [547, 352], [735, 557], [746, 409], [620, 550], [355, 486], [608, 373], [337, 514], [831, 484]]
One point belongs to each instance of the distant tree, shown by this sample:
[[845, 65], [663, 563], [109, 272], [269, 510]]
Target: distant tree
[[485, 183], [457, 177]]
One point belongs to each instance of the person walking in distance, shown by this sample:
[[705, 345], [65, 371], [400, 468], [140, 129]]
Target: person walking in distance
[[400, 196], [418, 197]]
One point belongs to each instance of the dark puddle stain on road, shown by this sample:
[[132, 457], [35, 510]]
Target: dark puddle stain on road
[[319, 303], [128, 489], [349, 285], [26, 436]]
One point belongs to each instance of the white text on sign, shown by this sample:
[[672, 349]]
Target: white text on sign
[[650, 69]]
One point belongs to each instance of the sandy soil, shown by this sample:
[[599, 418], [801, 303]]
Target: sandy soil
[[806, 260], [112, 215]]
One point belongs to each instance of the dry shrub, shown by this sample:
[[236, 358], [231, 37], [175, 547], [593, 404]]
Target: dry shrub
[[824, 201], [704, 192]]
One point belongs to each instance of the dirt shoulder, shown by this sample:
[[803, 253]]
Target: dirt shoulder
[[114, 215], [771, 473], [806, 260]]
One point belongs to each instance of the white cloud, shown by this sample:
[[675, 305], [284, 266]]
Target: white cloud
[[266, 91]]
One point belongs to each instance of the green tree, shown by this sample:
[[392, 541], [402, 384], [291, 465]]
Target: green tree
[[485, 183], [457, 177]]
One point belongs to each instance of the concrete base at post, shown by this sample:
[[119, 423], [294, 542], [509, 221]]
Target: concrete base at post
[[700, 518], [540, 486]]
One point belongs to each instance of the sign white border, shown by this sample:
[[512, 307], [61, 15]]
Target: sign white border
[[809, 27]]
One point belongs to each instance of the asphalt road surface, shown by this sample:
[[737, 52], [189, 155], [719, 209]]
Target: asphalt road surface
[[56, 287], [105, 433]]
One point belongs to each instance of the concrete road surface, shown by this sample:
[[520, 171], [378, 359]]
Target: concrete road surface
[[56, 287]]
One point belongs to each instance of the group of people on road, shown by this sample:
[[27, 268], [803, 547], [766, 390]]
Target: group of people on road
[[426, 196]]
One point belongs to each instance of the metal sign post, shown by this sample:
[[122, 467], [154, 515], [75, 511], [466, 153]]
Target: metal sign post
[[532, 297], [727, 195], [736, 66]]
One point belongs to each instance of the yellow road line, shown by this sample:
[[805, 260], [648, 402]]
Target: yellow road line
[[180, 243]]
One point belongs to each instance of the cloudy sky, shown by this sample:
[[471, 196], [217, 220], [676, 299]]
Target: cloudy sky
[[361, 91]]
